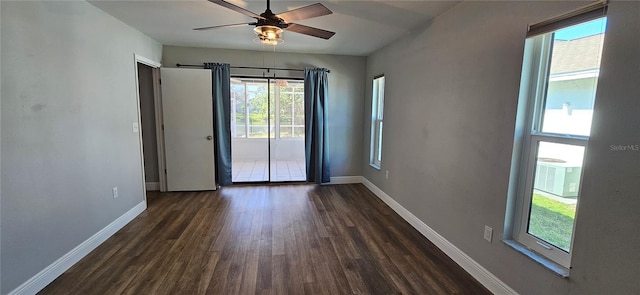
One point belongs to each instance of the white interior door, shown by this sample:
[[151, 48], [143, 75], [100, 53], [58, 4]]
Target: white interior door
[[188, 129]]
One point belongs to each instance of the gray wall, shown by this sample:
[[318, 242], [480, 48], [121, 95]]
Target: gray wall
[[148, 122], [68, 104], [346, 91], [450, 106], [606, 259]]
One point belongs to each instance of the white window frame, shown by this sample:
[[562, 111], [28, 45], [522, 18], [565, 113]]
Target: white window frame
[[377, 118], [534, 90]]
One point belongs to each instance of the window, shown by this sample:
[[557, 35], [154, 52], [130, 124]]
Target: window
[[250, 110], [557, 95], [377, 107], [290, 98]]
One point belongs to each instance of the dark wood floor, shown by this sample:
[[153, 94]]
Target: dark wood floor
[[290, 239]]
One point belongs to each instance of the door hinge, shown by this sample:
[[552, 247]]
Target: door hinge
[[165, 171], [160, 81], [162, 127]]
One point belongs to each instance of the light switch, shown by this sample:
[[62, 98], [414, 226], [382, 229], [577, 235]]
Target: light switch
[[136, 128]]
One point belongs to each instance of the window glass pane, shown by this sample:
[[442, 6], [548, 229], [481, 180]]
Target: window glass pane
[[573, 76], [379, 143], [298, 131], [555, 193], [238, 110], [285, 131], [298, 110], [286, 112], [272, 109], [241, 131], [257, 109], [380, 97]]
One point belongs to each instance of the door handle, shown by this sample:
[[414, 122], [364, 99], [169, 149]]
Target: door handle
[[209, 137]]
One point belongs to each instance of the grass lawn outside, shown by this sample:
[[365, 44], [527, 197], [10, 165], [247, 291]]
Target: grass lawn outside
[[552, 221]]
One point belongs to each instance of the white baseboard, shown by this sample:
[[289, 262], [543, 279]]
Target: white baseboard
[[58, 267], [345, 180], [152, 186], [481, 274]]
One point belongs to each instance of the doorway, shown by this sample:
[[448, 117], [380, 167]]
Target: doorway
[[267, 130], [147, 95], [148, 126]]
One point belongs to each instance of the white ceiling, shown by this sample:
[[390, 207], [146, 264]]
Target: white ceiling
[[361, 26]]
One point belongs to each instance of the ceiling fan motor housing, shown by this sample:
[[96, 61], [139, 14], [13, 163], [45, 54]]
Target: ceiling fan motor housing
[[270, 19]]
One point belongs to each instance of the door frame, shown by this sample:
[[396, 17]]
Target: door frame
[[155, 66]]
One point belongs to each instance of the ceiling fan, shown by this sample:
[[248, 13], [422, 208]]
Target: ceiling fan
[[269, 26]]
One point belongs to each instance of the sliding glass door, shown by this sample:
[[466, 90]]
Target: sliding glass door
[[249, 130], [267, 130], [287, 131]]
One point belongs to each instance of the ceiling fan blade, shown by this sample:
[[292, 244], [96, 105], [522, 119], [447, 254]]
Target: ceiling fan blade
[[236, 8], [311, 31], [223, 26], [313, 10]]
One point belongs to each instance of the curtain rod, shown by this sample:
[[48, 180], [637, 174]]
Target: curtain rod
[[251, 68]]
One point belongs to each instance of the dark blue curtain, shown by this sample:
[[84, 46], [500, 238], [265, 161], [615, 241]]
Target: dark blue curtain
[[221, 79], [316, 106]]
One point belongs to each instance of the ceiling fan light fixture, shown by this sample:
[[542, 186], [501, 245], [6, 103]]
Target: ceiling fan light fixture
[[270, 35]]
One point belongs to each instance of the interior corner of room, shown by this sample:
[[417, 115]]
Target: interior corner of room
[[451, 117]]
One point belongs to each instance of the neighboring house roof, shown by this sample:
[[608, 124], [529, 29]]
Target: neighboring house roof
[[577, 55]]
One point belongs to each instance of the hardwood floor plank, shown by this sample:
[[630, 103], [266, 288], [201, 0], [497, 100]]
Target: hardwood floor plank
[[285, 239], [236, 267], [124, 279], [293, 278], [326, 281], [264, 266], [302, 245], [279, 272], [396, 277], [250, 273], [153, 269], [207, 273], [196, 262], [356, 283]]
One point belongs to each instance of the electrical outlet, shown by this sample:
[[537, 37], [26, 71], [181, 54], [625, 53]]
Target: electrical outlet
[[387, 174], [115, 192], [488, 233]]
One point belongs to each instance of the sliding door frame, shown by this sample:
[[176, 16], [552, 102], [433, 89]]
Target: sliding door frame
[[268, 81]]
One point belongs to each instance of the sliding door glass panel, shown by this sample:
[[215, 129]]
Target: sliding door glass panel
[[249, 130], [287, 125], [257, 108], [286, 111], [272, 110], [298, 110], [238, 110]]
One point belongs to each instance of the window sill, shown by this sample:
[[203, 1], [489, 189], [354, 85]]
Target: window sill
[[550, 265], [374, 166]]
